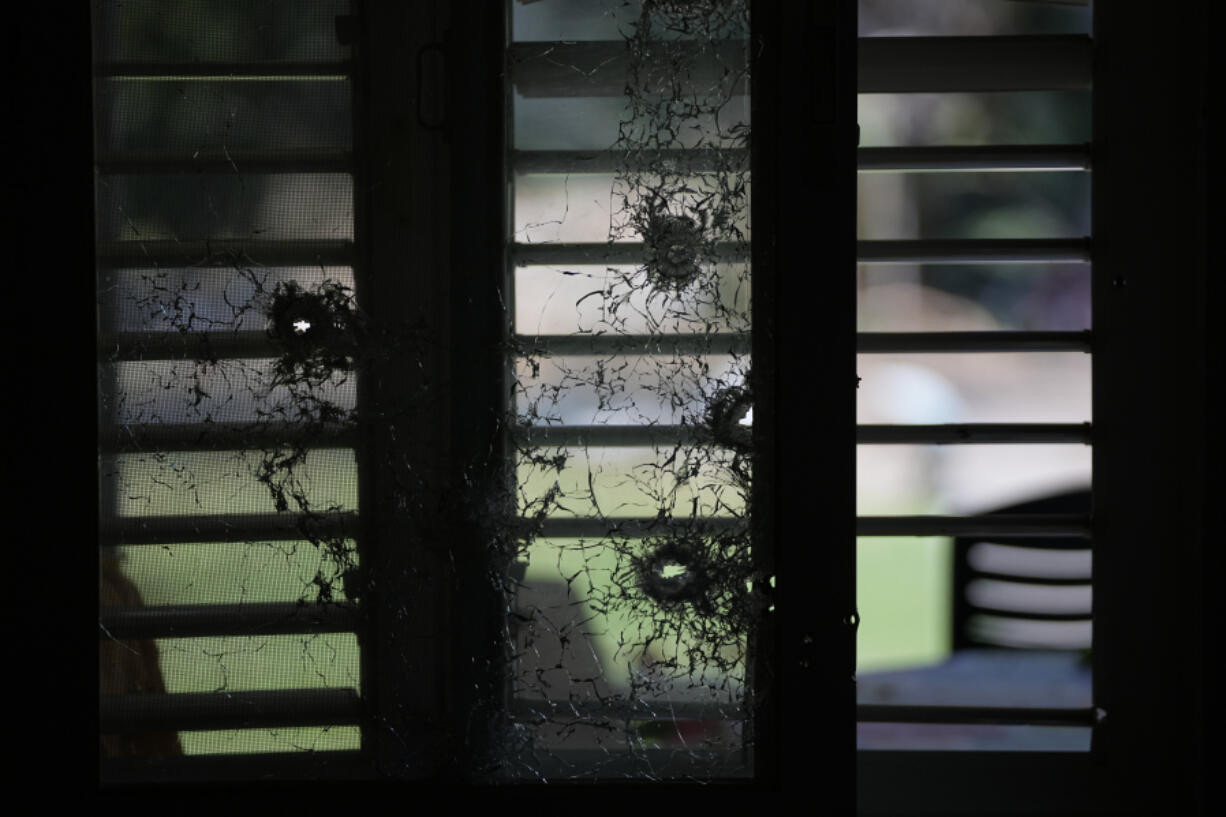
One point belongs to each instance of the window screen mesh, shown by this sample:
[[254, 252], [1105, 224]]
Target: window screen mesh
[[223, 193]]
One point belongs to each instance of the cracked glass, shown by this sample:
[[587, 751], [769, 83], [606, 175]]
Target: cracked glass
[[636, 590], [233, 355]]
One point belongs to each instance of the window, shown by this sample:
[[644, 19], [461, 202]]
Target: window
[[325, 428], [1136, 669], [388, 664], [974, 309]]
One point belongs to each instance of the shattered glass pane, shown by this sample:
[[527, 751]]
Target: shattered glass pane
[[634, 594], [229, 337], [234, 351]]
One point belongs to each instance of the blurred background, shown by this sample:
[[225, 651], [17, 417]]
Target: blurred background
[[903, 585]]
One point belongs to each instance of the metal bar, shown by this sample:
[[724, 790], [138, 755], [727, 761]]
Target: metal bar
[[258, 527], [1046, 581], [538, 709], [213, 161], [214, 769], [606, 345], [985, 715], [600, 68], [894, 65], [234, 253], [976, 251], [885, 65], [185, 346], [608, 436], [599, 254], [612, 436], [197, 621], [974, 433], [866, 343], [128, 714], [970, 783], [697, 765], [987, 525], [1027, 615], [703, 160], [972, 342], [629, 527], [976, 158], [269, 71], [923, 251], [223, 436]]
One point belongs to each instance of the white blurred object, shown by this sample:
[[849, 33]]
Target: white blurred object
[[905, 393]]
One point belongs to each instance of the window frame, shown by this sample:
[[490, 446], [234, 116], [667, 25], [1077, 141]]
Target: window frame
[[1134, 502], [1153, 366]]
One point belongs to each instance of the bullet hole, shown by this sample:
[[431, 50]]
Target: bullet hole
[[673, 574], [672, 244], [314, 329], [726, 415]]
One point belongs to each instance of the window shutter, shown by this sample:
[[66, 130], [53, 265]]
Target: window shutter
[[225, 258]]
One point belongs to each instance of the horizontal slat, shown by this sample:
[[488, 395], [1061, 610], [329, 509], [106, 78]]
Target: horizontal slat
[[535, 709], [606, 345], [185, 346], [224, 253], [600, 68], [621, 252], [1029, 615], [255, 527], [975, 251], [932, 342], [222, 436], [1045, 581], [958, 783], [980, 158], [894, 65], [608, 436], [704, 160], [884, 65], [198, 621], [612, 436], [866, 343], [699, 763], [972, 434], [223, 70], [129, 714], [234, 161], [986, 715], [248, 345], [923, 251], [987, 525], [695, 764], [631, 527], [214, 769]]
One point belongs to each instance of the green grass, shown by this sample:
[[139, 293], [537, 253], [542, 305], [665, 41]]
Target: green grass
[[902, 587]]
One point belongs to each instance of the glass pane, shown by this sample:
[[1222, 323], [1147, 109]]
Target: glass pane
[[633, 612], [221, 135], [932, 631]]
